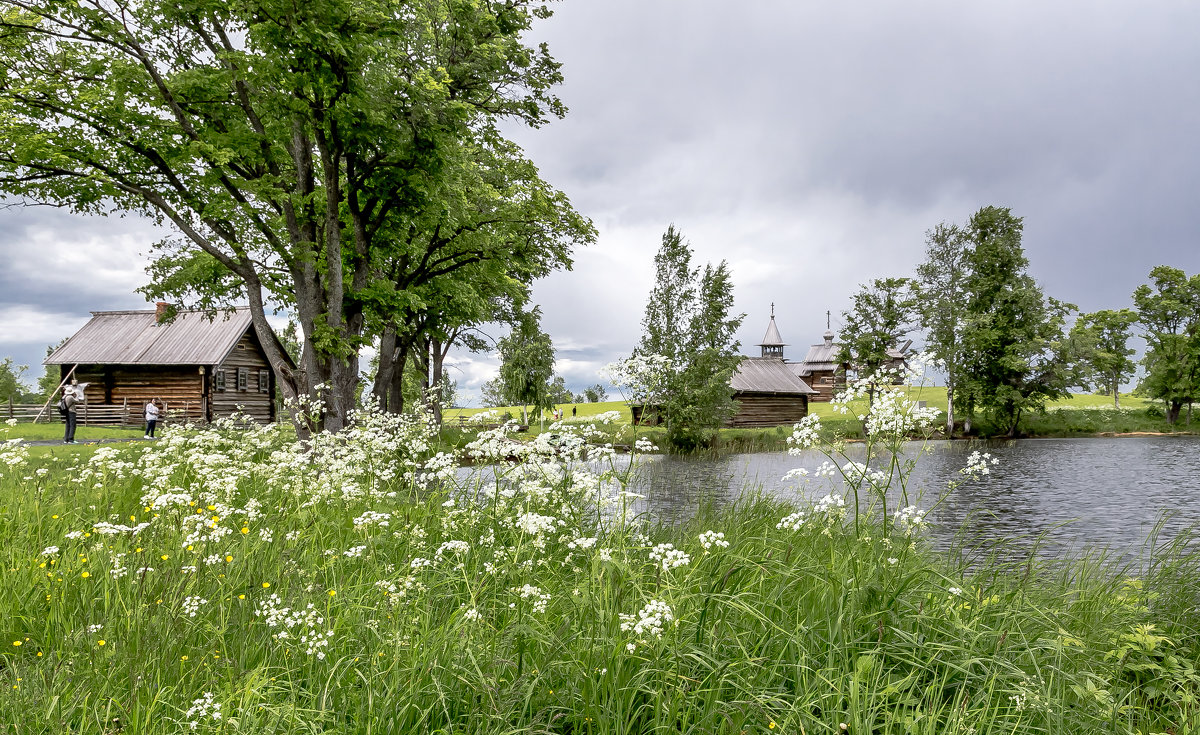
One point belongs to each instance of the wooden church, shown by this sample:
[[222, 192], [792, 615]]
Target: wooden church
[[768, 392]]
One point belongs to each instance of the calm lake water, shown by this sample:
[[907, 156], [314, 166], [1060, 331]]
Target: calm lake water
[[1065, 495]]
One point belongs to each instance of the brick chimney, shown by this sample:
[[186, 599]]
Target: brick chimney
[[160, 311]]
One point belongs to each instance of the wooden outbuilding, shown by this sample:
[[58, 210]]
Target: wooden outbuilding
[[201, 366], [767, 391]]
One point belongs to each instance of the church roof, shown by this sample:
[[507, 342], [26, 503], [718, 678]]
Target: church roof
[[767, 375], [772, 338]]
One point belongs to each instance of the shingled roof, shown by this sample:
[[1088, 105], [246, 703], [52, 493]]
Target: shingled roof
[[137, 338], [767, 375]]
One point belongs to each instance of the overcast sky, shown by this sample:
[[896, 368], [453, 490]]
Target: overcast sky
[[809, 144]]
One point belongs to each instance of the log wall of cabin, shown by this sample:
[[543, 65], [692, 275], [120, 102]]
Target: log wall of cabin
[[767, 409], [826, 383], [254, 402], [179, 387]]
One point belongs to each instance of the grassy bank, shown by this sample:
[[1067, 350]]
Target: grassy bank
[[222, 581], [1078, 415]]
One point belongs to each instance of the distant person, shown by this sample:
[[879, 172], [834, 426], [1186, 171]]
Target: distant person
[[151, 418], [68, 407], [573, 412]]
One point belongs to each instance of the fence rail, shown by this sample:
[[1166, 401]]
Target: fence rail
[[89, 414]]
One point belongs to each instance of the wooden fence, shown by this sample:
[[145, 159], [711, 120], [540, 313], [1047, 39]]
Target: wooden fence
[[92, 414]]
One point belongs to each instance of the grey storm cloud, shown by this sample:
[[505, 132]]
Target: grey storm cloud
[[811, 145]]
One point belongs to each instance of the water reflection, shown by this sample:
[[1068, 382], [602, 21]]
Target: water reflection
[[1066, 495]]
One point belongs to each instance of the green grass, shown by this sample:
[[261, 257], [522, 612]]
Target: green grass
[[785, 630], [1078, 415], [49, 431]]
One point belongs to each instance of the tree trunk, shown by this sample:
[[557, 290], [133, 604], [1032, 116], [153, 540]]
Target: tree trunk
[[381, 388], [1173, 408], [1116, 395], [437, 357], [1016, 421], [949, 411]]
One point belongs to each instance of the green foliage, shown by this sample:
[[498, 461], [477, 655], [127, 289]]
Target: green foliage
[[1016, 356], [1103, 337], [942, 301], [1169, 313], [558, 392], [688, 321], [883, 313], [527, 364], [334, 158], [595, 393], [11, 387]]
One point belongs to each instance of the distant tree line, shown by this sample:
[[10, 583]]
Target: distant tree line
[[1005, 346]]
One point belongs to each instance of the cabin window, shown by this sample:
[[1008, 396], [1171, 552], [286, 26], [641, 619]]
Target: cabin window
[[264, 381], [219, 380], [243, 378]]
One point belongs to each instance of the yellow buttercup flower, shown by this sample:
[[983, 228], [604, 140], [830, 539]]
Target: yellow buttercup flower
[[85, 575], [101, 642]]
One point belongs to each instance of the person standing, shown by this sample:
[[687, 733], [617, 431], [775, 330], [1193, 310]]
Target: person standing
[[68, 405], [151, 418]]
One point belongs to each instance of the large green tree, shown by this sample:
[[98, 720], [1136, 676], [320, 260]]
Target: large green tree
[[688, 321], [1015, 353], [307, 154], [1169, 312], [527, 365], [883, 312], [1103, 337], [941, 303]]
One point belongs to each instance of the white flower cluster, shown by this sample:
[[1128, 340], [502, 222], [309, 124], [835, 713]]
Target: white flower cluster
[[586, 542], [642, 444], [308, 622], [979, 464], [535, 524], [372, 519], [831, 502], [458, 548], [354, 552], [191, 605], [50, 551], [793, 522], [909, 520], [669, 556], [651, 619], [530, 592], [709, 539], [108, 529], [805, 434], [203, 707]]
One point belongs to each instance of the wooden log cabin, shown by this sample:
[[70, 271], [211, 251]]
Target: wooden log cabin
[[201, 368], [767, 391]]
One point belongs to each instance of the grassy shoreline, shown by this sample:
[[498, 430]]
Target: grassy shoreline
[[274, 591]]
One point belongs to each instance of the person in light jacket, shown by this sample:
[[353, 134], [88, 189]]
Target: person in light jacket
[[70, 401], [151, 418]]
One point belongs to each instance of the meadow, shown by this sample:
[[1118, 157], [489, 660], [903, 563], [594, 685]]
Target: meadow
[[230, 580], [1080, 414]]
